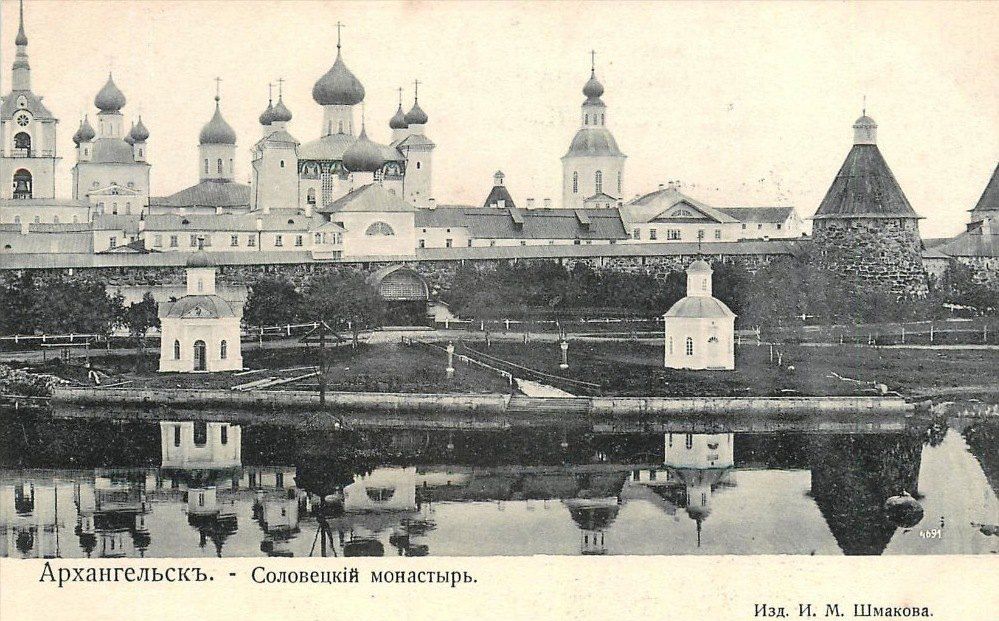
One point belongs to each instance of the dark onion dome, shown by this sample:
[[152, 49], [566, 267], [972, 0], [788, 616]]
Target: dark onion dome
[[399, 120], [281, 113], [338, 86], [267, 116], [593, 88], [128, 137], [139, 133], [76, 137], [87, 132], [416, 115], [217, 131], [110, 98], [590, 141], [363, 155]]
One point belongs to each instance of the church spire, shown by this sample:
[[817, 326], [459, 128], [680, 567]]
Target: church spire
[[22, 71]]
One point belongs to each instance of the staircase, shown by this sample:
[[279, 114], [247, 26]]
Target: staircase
[[548, 405]]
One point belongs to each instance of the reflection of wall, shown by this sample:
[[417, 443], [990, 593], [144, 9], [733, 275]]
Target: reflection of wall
[[699, 450], [33, 515], [200, 444]]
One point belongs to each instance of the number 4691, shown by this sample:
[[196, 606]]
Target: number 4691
[[931, 533]]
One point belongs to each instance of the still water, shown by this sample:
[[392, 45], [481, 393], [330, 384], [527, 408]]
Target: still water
[[185, 488]]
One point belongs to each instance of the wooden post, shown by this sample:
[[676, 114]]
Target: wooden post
[[931, 331]]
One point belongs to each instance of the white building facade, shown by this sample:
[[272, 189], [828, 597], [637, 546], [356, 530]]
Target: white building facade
[[700, 329]]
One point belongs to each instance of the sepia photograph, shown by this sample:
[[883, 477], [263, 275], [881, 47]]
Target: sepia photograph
[[319, 280]]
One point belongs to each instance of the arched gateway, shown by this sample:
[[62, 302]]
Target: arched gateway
[[405, 292]]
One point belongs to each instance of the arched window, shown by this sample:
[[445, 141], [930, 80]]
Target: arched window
[[55, 219], [418, 165], [230, 166], [619, 183], [223, 350], [586, 119], [140, 152], [176, 350], [128, 208], [689, 440], [206, 166], [22, 184], [379, 229], [339, 127], [310, 196], [17, 219], [22, 141], [282, 163], [219, 165], [598, 182], [690, 346], [575, 182]]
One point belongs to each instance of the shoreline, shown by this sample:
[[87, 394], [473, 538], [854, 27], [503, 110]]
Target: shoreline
[[487, 404]]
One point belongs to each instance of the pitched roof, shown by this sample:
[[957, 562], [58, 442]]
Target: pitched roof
[[989, 200], [864, 187], [333, 146], [497, 194], [544, 251], [370, 198], [33, 104], [977, 241], [231, 222], [758, 214], [492, 223], [116, 222], [210, 193], [654, 205], [42, 202], [201, 306]]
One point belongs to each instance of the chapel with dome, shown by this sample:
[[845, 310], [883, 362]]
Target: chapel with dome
[[700, 328], [200, 331]]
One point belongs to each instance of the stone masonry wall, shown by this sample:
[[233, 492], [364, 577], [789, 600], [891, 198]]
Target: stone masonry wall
[[875, 253]]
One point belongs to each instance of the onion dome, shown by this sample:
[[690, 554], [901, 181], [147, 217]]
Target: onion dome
[[87, 132], [267, 116], [110, 98], [416, 115], [593, 88], [338, 86], [76, 137], [217, 131], [399, 120], [904, 510], [199, 258], [280, 113], [139, 133], [128, 137], [363, 155]]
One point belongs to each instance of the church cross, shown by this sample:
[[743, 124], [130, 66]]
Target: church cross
[[339, 25], [280, 82], [593, 61], [416, 90], [400, 96], [218, 88]]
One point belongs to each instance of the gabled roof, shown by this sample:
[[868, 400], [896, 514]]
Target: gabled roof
[[864, 187], [33, 104], [989, 200], [280, 136], [492, 223], [655, 205], [602, 196], [114, 190], [369, 198], [414, 140], [497, 194], [209, 193], [758, 214]]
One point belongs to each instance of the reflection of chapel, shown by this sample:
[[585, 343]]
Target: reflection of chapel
[[200, 331]]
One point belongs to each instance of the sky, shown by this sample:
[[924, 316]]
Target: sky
[[744, 104]]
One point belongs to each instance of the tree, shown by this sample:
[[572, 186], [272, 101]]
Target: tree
[[16, 302], [272, 301], [344, 300], [958, 286], [63, 306], [140, 317]]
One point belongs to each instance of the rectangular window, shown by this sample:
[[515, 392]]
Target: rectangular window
[[157, 241], [173, 241], [779, 226], [743, 226], [700, 233], [469, 243], [194, 241], [759, 227], [448, 242], [234, 240], [717, 233], [251, 241], [673, 234], [278, 240], [576, 242], [114, 241], [423, 243], [225, 434], [653, 233], [176, 435], [298, 240], [637, 234]]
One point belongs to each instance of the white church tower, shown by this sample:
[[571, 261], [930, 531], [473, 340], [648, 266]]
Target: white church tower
[[27, 133], [275, 163], [418, 151], [217, 147], [593, 165], [700, 328]]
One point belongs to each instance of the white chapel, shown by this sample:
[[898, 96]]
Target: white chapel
[[700, 328], [200, 331]]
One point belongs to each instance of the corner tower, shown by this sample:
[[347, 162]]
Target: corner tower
[[865, 230], [593, 164]]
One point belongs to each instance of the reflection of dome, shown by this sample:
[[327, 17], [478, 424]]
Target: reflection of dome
[[593, 517], [25, 541], [903, 510], [363, 547]]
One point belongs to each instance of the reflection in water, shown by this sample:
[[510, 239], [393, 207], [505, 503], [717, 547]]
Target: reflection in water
[[190, 488]]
